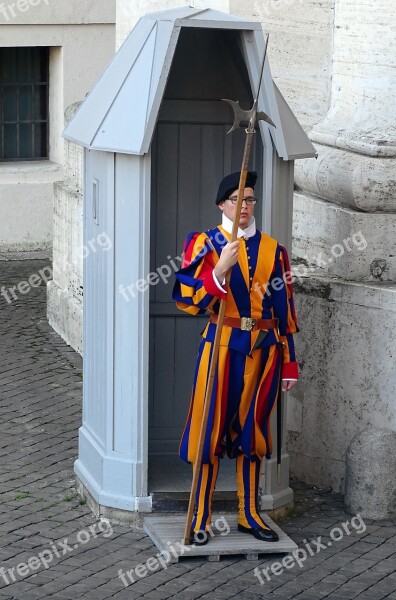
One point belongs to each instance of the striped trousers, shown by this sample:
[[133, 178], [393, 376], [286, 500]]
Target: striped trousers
[[247, 476], [243, 399]]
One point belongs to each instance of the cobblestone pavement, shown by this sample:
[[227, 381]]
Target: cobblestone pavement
[[40, 399]]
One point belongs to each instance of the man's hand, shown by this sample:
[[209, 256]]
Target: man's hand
[[228, 258], [288, 385]]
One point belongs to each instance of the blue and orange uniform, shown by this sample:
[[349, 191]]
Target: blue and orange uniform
[[249, 363]]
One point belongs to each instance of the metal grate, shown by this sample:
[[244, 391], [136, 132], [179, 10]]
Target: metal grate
[[24, 82]]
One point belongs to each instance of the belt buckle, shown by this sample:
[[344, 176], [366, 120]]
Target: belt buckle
[[247, 323]]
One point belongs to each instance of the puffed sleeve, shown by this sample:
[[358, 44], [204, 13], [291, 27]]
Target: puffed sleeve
[[283, 304], [195, 289]]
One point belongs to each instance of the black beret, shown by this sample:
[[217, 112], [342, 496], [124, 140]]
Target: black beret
[[231, 183]]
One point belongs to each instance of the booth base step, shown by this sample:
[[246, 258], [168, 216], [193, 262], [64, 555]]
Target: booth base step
[[167, 533], [178, 501]]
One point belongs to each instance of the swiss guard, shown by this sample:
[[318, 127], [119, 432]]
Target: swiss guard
[[256, 354]]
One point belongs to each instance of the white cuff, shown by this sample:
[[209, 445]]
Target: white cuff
[[217, 282], [289, 379]]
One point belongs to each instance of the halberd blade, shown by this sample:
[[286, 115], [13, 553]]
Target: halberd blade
[[240, 115], [262, 116], [243, 117]]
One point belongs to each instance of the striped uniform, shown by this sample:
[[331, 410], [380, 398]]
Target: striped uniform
[[247, 375]]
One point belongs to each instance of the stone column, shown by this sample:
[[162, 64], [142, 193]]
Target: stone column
[[344, 237], [356, 140]]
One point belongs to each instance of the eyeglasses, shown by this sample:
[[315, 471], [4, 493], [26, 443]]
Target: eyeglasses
[[250, 201]]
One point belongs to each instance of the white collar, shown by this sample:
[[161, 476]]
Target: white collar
[[245, 233]]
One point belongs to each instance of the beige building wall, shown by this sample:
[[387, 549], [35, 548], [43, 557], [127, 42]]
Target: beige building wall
[[129, 11], [81, 38], [299, 50]]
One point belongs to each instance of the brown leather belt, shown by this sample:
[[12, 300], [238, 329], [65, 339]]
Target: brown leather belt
[[246, 323]]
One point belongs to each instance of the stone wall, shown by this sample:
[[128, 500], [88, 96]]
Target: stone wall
[[65, 290], [346, 348]]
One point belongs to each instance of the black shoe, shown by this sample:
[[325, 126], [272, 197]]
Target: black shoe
[[198, 538], [264, 535]]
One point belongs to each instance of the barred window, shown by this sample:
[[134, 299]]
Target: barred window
[[24, 103]]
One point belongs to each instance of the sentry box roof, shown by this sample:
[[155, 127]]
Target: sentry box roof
[[120, 113]]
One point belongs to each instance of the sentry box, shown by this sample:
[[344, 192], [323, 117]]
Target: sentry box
[[154, 130]]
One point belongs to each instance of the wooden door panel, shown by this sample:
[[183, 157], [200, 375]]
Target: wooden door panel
[[188, 160]]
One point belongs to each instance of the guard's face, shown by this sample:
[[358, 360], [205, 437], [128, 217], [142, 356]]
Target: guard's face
[[229, 209]]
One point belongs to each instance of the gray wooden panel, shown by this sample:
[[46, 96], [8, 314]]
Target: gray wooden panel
[[191, 152], [164, 208], [189, 159], [162, 417], [282, 201], [172, 360], [98, 294]]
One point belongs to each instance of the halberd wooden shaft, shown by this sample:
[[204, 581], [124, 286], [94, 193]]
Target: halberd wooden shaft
[[250, 131], [279, 427]]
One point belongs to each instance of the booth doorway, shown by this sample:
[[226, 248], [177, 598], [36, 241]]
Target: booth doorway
[[191, 152]]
